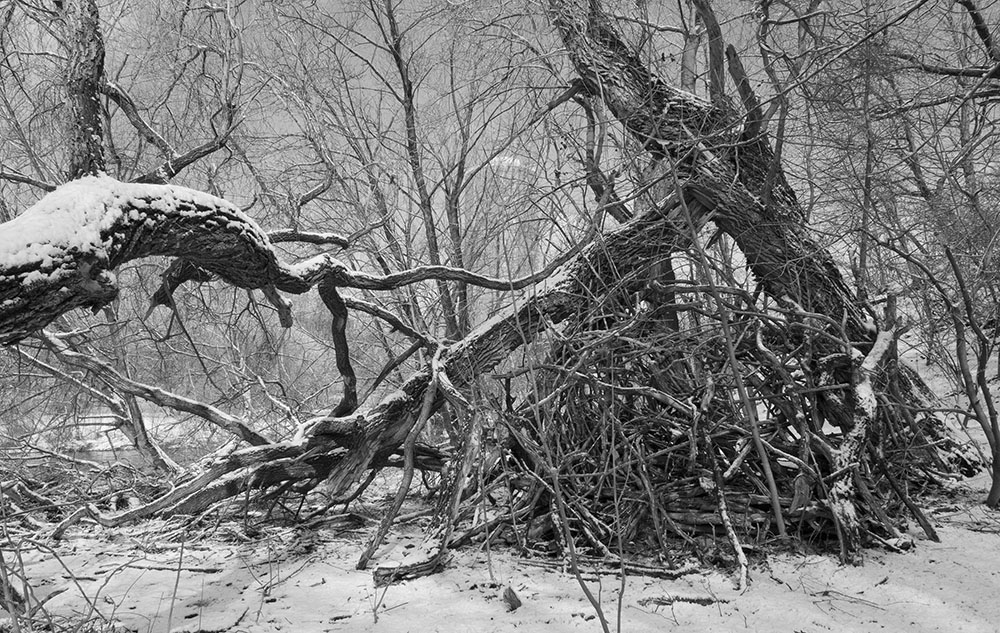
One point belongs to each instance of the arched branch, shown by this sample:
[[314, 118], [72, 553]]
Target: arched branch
[[58, 255], [325, 265]]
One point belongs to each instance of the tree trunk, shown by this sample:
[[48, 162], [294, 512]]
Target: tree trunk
[[84, 69], [712, 162]]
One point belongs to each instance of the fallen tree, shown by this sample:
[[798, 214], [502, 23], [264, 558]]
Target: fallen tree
[[807, 350]]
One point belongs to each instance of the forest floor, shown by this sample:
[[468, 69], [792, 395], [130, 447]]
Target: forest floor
[[306, 581]]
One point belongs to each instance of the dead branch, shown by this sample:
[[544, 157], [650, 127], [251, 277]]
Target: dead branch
[[153, 394]]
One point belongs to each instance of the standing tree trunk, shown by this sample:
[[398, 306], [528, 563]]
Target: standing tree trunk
[[84, 69]]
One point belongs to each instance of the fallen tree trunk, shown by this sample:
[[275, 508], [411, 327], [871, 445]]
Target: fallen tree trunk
[[60, 254]]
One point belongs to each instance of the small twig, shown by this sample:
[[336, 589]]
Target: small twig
[[720, 494]]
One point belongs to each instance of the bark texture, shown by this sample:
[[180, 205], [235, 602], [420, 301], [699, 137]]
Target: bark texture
[[84, 69], [727, 172], [59, 254]]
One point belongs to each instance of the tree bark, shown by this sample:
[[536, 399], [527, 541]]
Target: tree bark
[[84, 69], [713, 163]]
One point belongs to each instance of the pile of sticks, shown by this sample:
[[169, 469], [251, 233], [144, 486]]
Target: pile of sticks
[[640, 437]]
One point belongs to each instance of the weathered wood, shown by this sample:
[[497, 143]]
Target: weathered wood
[[714, 163]]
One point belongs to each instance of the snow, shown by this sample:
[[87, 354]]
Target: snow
[[71, 217], [308, 268], [304, 580]]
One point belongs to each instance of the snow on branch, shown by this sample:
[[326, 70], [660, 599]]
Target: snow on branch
[[59, 254], [326, 265]]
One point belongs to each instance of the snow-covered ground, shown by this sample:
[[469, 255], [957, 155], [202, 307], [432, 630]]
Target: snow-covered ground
[[305, 581]]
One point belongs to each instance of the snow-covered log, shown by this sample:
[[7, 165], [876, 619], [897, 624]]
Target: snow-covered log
[[60, 254]]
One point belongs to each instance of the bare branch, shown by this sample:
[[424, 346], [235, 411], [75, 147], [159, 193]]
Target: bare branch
[[84, 70], [173, 166], [14, 176], [661, 28], [716, 54], [394, 41], [600, 183], [179, 272], [986, 72], [751, 104], [324, 265], [982, 29], [153, 394], [118, 94], [395, 321]]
